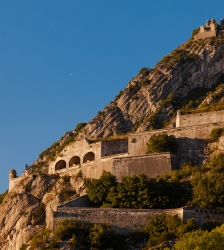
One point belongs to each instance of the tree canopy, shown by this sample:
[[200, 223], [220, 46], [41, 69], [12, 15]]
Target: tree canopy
[[162, 143]]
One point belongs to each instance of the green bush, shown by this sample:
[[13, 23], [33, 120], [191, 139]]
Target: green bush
[[97, 190], [66, 178], [79, 174], [40, 239], [201, 240], [79, 126], [137, 192], [216, 133], [23, 247], [161, 228], [195, 32], [2, 196], [161, 143], [144, 71]]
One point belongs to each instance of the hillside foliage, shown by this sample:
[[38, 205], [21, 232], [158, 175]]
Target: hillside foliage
[[137, 192], [159, 143]]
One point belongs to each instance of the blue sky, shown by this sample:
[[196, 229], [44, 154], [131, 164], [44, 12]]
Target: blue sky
[[63, 61]]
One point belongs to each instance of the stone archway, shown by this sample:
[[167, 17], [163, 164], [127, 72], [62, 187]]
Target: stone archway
[[75, 160], [60, 165], [90, 156]]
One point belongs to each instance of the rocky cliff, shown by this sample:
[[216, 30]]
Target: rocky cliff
[[29, 205], [188, 79], [152, 97]]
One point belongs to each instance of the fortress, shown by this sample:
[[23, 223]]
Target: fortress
[[123, 158], [128, 157], [211, 29]]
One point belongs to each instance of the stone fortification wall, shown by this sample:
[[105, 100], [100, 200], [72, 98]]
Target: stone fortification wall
[[191, 141], [122, 218], [201, 215], [95, 170], [151, 165], [205, 34], [14, 182], [93, 158], [114, 147], [199, 118], [209, 30], [82, 201], [117, 217], [90, 158]]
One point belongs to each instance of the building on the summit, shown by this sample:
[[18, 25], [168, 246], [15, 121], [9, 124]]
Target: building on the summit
[[211, 29]]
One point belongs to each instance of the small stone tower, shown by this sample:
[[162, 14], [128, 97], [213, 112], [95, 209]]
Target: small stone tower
[[12, 176]]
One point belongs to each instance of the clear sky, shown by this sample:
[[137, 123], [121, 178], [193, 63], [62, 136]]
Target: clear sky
[[63, 61]]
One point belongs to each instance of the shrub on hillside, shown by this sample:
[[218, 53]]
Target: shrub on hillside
[[161, 143], [2, 196], [216, 133]]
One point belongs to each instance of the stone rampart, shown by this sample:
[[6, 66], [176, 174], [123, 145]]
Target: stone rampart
[[123, 158], [151, 165], [90, 158], [202, 215], [116, 217], [205, 34], [114, 148], [199, 118], [123, 218], [191, 141], [82, 201]]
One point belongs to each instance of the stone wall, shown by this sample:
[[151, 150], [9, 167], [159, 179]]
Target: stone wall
[[201, 215], [124, 158], [114, 147], [117, 217], [14, 182], [82, 201], [205, 34], [123, 218], [199, 118], [191, 141], [151, 165], [103, 153]]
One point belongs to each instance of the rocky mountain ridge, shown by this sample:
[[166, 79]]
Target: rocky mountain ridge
[[149, 101], [195, 64]]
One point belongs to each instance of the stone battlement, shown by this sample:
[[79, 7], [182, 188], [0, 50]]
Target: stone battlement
[[125, 158], [211, 29], [126, 218]]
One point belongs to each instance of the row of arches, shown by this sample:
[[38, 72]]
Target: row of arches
[[75, 160]]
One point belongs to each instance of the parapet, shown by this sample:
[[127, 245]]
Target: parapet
[[13, 179], [12, 174], [210, 29]]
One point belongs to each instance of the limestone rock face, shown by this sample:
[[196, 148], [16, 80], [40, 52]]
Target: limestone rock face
[[202, 65], [30, 204]]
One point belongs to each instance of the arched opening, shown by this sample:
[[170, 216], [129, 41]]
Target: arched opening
[[75, 160], [60, 165], [90, 156]]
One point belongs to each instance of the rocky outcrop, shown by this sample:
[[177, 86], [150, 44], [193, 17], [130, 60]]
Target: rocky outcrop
[[151, 97], [29, 206], [192, 65]]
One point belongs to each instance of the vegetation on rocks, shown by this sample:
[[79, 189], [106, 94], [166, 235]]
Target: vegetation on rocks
[[137, 192], [159, 143], [2, 196]]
